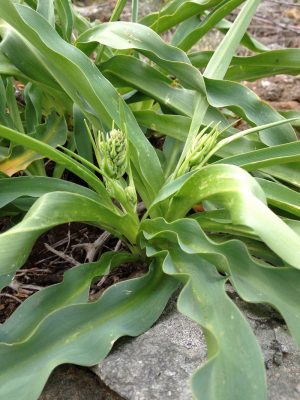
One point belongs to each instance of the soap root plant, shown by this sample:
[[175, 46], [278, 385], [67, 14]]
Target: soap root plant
[[246, 181]]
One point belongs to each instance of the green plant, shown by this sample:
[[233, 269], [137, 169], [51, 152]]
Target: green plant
[[203, 160]]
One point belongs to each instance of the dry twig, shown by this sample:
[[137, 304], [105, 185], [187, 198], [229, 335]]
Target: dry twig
[[92, 249], [62, 255]]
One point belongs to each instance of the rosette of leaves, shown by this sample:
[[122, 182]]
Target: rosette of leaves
[[247, 182]]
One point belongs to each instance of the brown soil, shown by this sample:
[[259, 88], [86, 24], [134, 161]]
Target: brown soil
[[281, 91]]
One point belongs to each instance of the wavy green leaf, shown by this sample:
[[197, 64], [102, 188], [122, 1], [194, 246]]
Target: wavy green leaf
[[142, 76], [128, 35], [82, 334], [175, 12], [242, 196], [46, 9], [250, 107], [204, 300], [289, 173], [148, 80], [65, 14], [255, 282], [73, 290], [268, 63], [281, 196], [34, 186], [194, 34], [235, 363], [262, 158]]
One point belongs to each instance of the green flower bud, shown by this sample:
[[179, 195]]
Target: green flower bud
[[131, 195], [113, 153], [202, 144]]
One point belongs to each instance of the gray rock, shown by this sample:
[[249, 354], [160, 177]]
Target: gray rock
[[272, 91], [69, 382], [158, 364]]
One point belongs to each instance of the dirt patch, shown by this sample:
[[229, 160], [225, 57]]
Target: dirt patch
[[281, 91]]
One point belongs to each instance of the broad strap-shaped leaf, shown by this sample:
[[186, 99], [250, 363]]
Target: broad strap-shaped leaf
[[194, 28], [220, 221], [191, 35], [262, 158], [53, 132], [66, 18], [235, 363], [273, 62], [248, 41], [8, 68], [82, 333], [221, 59], [59, 157], [35, 186], [53, 209], [255, 282], [77, 76], [73, 290], [46, 9], [175, 12], [281, 196], [250, 68], [247, 105], [289, 173], [34, 97], [128, 35], [176, 126], [12, 106], [148, 80], [5, 280], [83, 146], [142, 76], [242, 196]]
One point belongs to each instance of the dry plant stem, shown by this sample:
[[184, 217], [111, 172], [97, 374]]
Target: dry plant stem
[[10, 296], [61, 254], [30, 287], [285, 3], [23, 272], [289, 27], [277, 24], [68, 238], [118, 245], [92, 249]]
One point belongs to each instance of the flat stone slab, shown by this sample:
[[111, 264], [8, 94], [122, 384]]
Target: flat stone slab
[[157, 364]]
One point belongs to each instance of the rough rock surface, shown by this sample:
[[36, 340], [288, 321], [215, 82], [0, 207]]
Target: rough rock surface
[[157, 364], [69, 382]]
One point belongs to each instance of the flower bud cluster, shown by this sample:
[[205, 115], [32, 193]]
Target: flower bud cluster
[[201, 146], [113, 153]]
